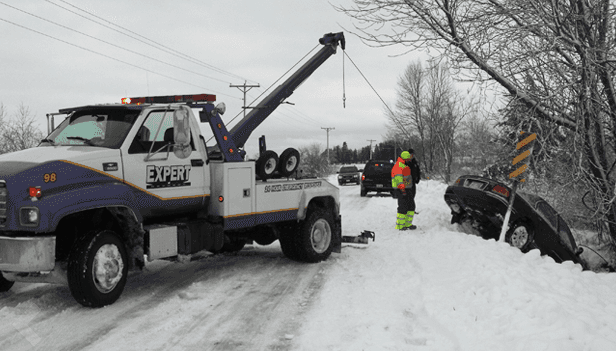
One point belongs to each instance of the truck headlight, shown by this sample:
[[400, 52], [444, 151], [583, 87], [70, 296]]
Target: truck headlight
[[29, 216]]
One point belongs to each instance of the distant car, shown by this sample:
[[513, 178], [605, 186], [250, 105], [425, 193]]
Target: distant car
[[376, 177], [348, 174], [479, 205]]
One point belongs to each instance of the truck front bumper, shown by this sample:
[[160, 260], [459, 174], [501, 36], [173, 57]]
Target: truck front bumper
[[27, 254]]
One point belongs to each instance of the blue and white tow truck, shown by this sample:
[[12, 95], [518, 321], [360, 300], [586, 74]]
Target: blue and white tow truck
[[117, 185]]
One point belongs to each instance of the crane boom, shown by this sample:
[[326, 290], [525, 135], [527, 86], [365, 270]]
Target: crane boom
[[242, 130]]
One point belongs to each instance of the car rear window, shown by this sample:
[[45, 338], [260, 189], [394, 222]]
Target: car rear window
[[373, 168]]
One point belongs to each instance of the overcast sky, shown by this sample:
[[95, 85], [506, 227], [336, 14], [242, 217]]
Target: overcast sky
[[233, 41]]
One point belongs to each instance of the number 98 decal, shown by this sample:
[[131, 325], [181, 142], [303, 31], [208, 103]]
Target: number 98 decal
[[49, 177]]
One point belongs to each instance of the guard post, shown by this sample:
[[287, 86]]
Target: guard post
[[527, 145]]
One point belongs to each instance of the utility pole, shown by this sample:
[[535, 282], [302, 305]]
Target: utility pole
[[244, 88], [371, 140], [328, 129]]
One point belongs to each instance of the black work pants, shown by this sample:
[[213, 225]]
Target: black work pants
[[406, 201]]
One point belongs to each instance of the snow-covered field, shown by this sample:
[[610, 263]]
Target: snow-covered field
[[429, 289]]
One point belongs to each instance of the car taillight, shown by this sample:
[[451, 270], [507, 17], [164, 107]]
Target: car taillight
[[363, 177], [501, 190]]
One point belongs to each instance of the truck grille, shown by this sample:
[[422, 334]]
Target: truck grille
[[3, 198]]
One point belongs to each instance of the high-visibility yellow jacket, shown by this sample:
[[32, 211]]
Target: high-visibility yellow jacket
[[401, 173]]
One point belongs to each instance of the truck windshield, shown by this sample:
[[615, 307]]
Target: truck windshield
[[98, 127]]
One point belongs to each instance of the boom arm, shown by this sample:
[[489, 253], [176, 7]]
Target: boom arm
[[242, 130]]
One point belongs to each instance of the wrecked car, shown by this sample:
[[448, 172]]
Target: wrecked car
[[479, 205]]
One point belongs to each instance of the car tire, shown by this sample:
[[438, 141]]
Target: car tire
[[314, 240], [289, 161], [520, 235], [97, 268], [5, 285], [363, 192], [267, 164]]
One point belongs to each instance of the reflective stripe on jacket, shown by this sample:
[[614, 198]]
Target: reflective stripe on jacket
[[401, 173]]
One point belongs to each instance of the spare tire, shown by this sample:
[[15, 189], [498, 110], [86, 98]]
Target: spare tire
[[267, 164], [289, 161]]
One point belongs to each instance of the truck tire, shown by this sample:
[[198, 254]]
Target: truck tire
[[97, 268], [267, 164], [5, 285], [362, 192], [288, 241], [289, 161], [314, 240], [233, 245]]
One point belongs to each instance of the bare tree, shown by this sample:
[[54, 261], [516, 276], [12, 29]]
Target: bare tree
[[554, 57], [19, 132], [313, 161], [430, 105]]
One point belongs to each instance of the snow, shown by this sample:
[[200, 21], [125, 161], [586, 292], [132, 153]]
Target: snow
[[434, 288]]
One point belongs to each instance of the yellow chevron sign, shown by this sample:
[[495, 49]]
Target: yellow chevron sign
[[522, 156]]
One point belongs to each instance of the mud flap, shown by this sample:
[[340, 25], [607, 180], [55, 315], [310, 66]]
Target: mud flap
[[337, 235]]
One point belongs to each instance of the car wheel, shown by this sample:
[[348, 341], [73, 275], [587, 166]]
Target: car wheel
[[289, 161], [267, 164], [97, 269], [5, 285], [363, 192], [520, 235]]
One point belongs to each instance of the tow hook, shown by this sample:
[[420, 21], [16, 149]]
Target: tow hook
[[363, 238]]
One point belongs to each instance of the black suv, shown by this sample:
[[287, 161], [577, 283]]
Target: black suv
[[348, 174], [376, 177]]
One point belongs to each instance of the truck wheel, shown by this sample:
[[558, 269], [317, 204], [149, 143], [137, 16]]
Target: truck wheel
[[363, 192], [97, 269], [314, 240], [233, 245], [288, 241], [520, 235], [5, 285], [267, 164], [289, 160]]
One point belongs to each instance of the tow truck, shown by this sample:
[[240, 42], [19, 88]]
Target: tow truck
[[117, 185]]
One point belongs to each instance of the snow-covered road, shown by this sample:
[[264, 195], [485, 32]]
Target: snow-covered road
[[429, 289]]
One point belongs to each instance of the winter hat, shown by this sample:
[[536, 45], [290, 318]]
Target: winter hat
[[405, 155]]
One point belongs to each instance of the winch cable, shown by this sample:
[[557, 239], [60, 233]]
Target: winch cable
[[377, 94]]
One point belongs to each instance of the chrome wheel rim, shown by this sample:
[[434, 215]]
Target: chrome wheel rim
[[519, 237], [107, 268], [270, 166], [320, 236], [291, 162]]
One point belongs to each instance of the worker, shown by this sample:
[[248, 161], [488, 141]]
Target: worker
[[416, 175], [402, 181]]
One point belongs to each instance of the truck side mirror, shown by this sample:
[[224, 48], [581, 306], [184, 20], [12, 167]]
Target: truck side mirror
[[181, 132]]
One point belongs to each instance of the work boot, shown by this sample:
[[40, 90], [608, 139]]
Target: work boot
[[412, 227]]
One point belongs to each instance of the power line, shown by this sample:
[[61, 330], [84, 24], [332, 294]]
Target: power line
[[112, 44], [160, 47], [107, 56]]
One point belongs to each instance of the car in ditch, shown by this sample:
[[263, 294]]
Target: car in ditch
[[376, 177], [479, 205], [348, 174]]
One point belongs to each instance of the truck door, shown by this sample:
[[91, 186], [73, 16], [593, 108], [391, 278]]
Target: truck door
[[164, 165]]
